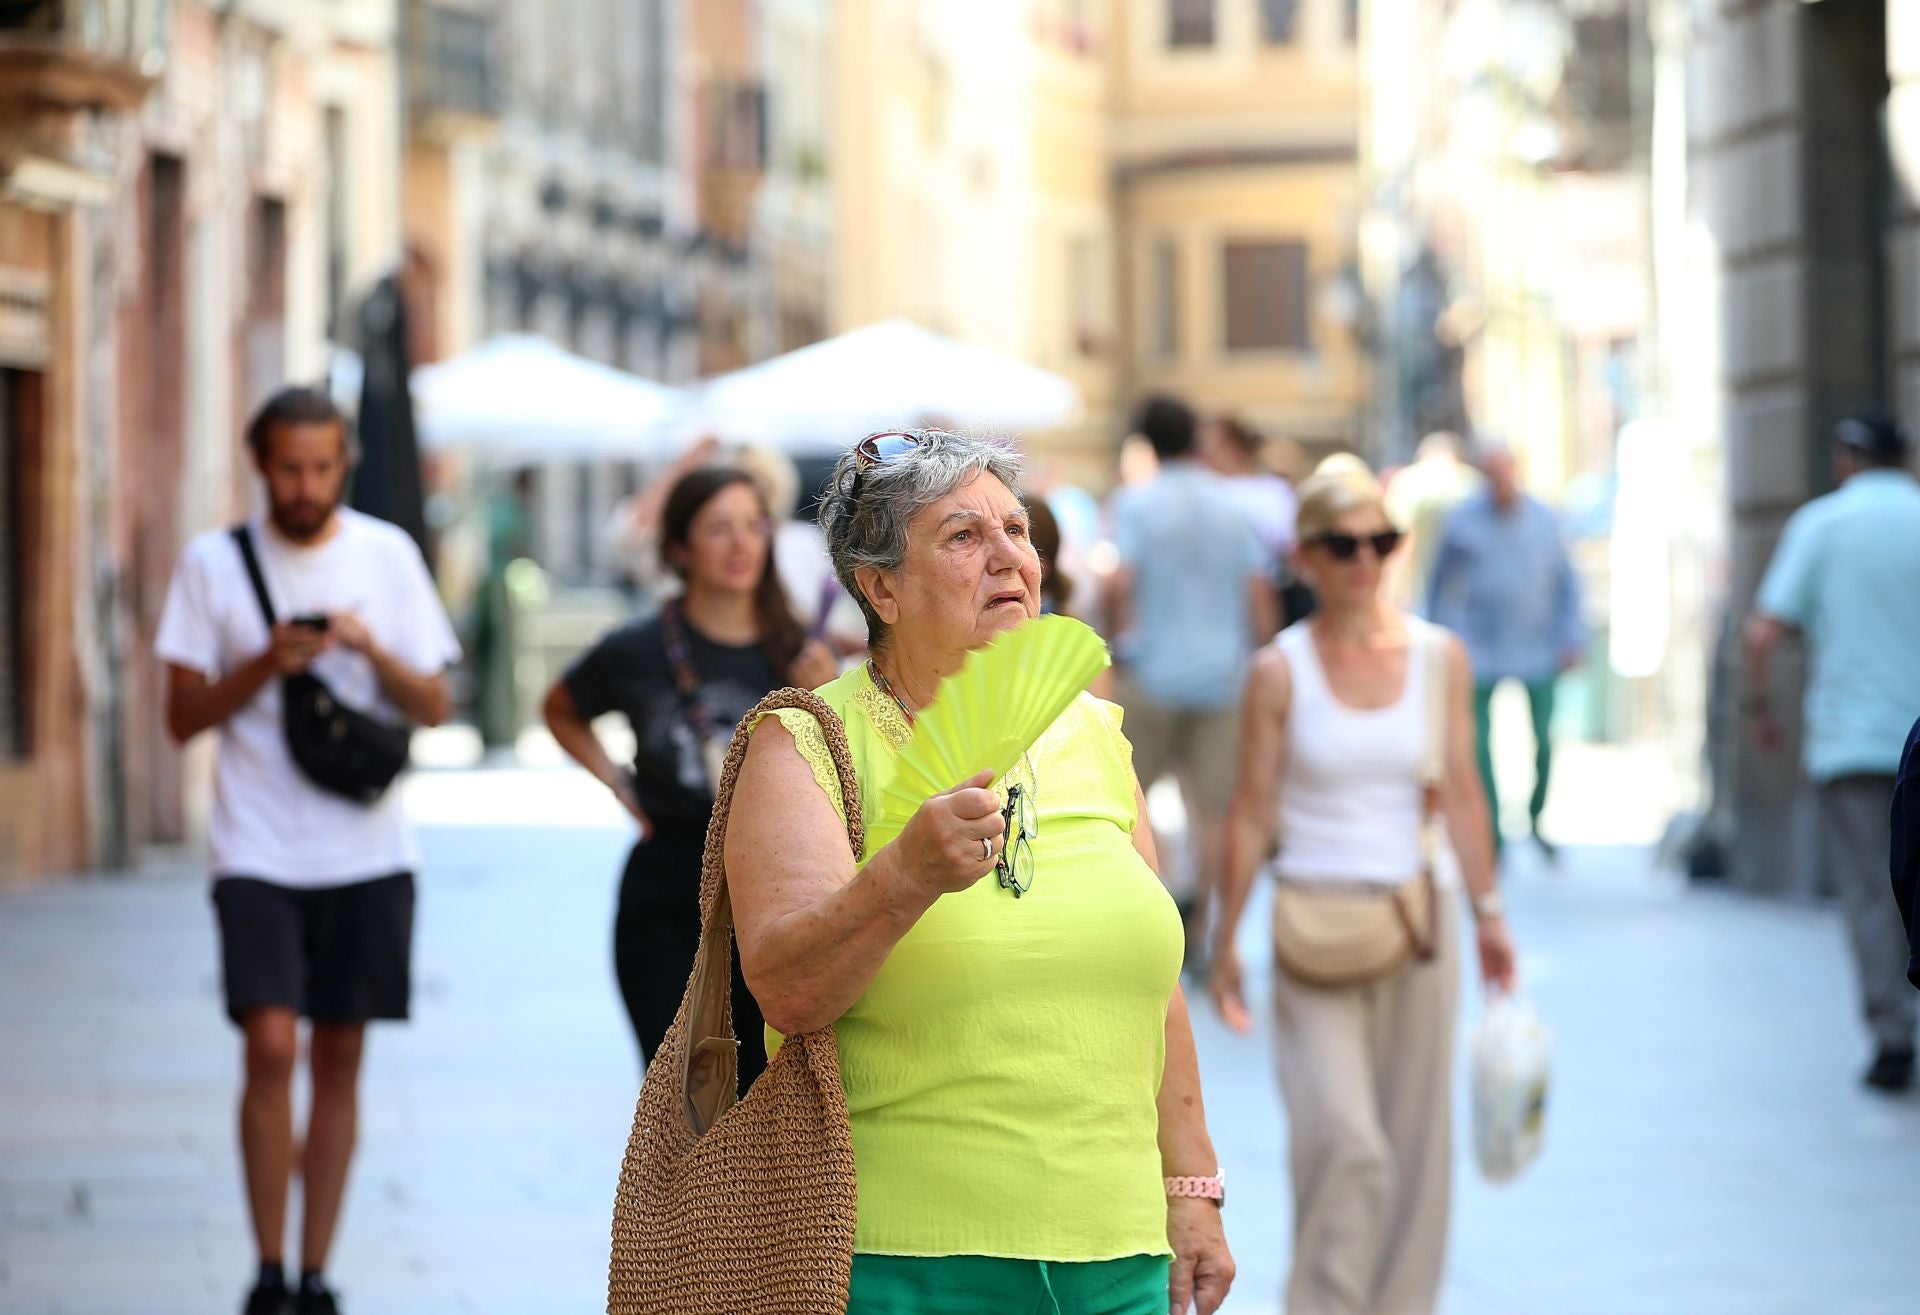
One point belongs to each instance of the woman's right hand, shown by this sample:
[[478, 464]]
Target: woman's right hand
[[941, 845], [1229, 997]]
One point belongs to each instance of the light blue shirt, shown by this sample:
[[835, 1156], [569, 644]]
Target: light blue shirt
[[1847, 574], [1190, 550], [1503, 582]]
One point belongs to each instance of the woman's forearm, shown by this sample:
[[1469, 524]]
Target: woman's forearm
[[1470, 828], [1246, 841], [1185, 1147], [808, 967]]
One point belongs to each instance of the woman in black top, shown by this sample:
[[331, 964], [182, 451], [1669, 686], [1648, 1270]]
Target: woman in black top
[[682, 680]]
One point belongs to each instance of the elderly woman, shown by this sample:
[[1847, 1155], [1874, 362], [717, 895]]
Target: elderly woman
[[1020, 1074]]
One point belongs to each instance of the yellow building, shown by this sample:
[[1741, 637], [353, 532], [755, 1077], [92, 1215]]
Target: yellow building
[[968, 169], [1235, 131]]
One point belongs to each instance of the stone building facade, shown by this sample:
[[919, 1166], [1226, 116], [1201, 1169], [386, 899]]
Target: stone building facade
[[1795, 291]]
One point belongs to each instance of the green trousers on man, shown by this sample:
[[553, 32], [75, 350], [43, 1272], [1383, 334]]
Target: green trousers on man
[[1540, 713]]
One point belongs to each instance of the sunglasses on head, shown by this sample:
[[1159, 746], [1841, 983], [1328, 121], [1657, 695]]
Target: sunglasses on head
[[1345, 547], [879, 449]]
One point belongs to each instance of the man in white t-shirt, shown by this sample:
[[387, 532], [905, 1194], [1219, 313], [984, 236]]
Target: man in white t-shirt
[[314, 890]]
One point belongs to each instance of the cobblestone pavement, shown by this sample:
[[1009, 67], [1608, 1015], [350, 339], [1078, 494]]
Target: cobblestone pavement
[[1708, 1151]]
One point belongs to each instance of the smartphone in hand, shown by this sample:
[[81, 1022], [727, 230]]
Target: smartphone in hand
[[312, 621]]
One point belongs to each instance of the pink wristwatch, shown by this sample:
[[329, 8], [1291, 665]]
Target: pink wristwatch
[[1212, 1188]]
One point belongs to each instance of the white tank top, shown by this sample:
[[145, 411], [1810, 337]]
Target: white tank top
[[1352, 804]]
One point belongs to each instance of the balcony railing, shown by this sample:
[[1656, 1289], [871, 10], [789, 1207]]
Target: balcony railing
[[452, 78], [83, 54]]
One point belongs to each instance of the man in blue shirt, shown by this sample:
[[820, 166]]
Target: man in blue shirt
[[1501, 580], [1847, 576], [1189, 603]]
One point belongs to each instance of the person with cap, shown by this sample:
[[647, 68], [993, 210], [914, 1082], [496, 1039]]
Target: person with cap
[[1844, 577]]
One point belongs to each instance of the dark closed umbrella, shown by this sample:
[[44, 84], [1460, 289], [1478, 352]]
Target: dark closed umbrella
[[388, 483]]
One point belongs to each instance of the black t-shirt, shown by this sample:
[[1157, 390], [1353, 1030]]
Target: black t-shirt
[[629, 672]]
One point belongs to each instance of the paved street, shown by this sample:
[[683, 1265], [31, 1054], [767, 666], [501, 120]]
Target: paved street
[[1708, 1150]]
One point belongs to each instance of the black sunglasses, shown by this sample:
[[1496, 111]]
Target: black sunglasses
[[1014, 870], [1345, 547]]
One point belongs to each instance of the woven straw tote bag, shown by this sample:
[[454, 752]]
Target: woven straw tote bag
[[740, 1207]]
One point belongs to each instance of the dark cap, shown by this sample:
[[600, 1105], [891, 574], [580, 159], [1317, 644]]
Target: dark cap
[[1875, 435]]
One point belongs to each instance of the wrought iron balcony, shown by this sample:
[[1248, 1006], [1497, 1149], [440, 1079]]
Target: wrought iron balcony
[[82, 54], [452, 76]]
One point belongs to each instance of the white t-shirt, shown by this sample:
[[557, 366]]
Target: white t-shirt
[[270, 821]]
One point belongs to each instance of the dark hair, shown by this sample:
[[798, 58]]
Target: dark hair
[[1168, 424], [295, 405], [1242, 435], [1875, 437], [780, 634], [1044, 532]]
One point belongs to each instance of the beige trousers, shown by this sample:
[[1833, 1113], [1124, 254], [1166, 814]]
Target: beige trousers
[[1366, 1072]]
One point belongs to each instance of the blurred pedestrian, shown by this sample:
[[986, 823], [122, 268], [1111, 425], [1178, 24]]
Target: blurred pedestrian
[[498, 709], [800, 556], [1846, 575], [1502, 580], [314, 890], [1233, 449], [1020, 1076], [1055, 587], [683, 679], [1189, 602], [1420, 499], [633, 527], [1343, 732], [1237, 452], [1904, 854]]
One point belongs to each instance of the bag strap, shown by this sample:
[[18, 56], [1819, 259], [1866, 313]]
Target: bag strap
[[710, 1083], [1434, 673], [243, 535]]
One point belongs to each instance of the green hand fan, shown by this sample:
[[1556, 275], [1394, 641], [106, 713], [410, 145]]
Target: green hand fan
[[991, 711]]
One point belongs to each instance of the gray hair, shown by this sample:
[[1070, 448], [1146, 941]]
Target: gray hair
[[866, 509]]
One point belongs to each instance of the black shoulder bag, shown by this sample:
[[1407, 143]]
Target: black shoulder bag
[[340, 749]]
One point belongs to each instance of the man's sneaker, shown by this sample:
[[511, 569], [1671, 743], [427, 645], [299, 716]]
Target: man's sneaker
[[269, 1297], [315, 1298], [1892, 1069]]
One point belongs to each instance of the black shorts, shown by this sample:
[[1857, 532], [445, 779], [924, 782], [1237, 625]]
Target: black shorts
[[335, 954]]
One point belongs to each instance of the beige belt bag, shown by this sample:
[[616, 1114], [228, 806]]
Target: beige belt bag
[[1349, 934], [1339, 933]]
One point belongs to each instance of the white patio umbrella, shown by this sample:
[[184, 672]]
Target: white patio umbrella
[[519, 399], [891, 374]]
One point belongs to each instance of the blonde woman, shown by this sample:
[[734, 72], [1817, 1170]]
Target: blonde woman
[[1333, 748]]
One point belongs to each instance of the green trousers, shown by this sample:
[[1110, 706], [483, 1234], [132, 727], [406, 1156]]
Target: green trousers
[[977, 1285], [1540, 712]]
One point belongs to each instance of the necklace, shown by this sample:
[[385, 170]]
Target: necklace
[[886, 688]]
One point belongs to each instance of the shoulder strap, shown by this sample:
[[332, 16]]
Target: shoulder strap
[[712, 1051], [243, 536], [1432, 641]]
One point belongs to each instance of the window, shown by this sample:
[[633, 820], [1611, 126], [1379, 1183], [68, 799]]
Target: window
[[1166, 299], [1277, 21], [1350, 21], [1190, 23], [1266, 296]]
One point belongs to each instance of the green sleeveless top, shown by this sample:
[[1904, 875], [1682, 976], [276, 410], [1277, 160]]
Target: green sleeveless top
[[1002, 1069]]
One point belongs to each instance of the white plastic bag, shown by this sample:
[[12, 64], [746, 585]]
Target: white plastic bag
[[1511, 1054]]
